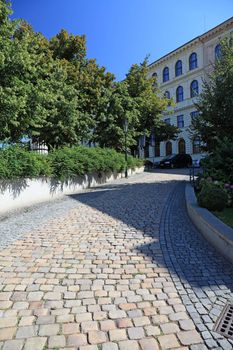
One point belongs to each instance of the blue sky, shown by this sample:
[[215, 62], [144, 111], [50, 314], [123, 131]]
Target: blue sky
[[122, 32]]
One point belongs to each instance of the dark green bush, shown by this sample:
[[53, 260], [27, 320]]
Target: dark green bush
[[212, 197], [62, 164], [219, 165], [17, 162]]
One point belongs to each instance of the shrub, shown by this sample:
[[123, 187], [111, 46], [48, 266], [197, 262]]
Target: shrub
[[212, 197], [219, 164], [62, 164], [17, 162]]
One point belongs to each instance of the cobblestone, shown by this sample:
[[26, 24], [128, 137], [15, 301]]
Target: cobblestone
[[118, 267]]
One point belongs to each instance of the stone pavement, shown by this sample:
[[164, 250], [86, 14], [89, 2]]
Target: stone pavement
[[124, 268]]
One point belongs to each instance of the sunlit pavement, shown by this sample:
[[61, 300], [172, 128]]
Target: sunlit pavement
[[124, 268]]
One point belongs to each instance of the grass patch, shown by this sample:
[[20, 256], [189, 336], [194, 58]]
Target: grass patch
[[226, 216]]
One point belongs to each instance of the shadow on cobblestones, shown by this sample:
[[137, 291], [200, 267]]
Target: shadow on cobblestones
[[202, 278], [185, 251]]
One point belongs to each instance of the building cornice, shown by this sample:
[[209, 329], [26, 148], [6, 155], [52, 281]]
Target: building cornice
[[199, 39]]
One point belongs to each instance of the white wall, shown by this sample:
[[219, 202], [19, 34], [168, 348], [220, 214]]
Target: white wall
[[26, 192]]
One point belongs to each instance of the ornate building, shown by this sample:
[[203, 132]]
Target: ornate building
[[180, 76]]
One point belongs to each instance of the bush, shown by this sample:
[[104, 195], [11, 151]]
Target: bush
[[62, 164], [212, 197], [17, 162], [219, 164]]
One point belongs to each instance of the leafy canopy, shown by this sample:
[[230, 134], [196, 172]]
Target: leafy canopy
[[216, 103]]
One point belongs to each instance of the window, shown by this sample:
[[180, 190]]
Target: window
[[180, 121], [217, 52], [167, 121], [194, 88], [196, 145], [194, 114], [155, 75], [157, 149], [165, 74], [167, 94], [179, 94], [193, 61], [181, 146], [178, 68], [168, 148]]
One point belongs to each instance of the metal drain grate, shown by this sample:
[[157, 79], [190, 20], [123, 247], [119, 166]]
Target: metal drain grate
[[224, 324]]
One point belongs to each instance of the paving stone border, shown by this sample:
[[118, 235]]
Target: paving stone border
[[202, 277], [213, 229]]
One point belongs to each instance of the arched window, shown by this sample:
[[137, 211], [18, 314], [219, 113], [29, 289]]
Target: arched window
[[155, 75], [167, 94], [178, 68], [196, 145], [168, 148], [165, 74], [193, 61], [181, 146], [179, 94], [194, 88], [217, 52]]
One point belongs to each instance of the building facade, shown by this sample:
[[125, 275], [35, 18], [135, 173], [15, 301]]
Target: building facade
[[180, 75]]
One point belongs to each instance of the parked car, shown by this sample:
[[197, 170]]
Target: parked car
[[176, 161]]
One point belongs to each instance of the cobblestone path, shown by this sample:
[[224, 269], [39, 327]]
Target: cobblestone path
[[122, 268]]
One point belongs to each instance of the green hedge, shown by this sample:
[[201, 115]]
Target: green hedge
[[63, 164]]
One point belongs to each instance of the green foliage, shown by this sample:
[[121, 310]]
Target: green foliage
[[67, 162], [215, 103], [219, 164], [51, 92], [138, 100], [62, 164], [226, 216], [16, 162], [68, 46], [212, 197]]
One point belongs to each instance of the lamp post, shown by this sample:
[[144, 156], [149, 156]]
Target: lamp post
[[125, 125]]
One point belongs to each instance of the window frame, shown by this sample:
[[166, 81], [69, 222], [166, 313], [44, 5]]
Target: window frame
[[165, 74], [183, 142], [167, 94], [180, 94], [180, 121], [217, 52], [194, 115], [178, 69], [170, 148], [193, 61], [196, 147], [194, 91]]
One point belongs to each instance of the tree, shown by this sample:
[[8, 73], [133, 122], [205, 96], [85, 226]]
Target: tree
[[138, 100], [215, 104], [13, 92], [109, 127], [151, 103], [68, 46]]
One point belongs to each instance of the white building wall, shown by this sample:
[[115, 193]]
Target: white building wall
[[204, 46]]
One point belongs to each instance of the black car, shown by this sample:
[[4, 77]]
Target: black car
[[176, 161]]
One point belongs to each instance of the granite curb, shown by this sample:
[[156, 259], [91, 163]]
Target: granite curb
[[214, 230]]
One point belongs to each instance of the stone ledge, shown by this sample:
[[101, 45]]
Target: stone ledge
[[213, 229], [23, 193]]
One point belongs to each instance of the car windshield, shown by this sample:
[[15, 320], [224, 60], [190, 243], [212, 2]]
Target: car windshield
[[169, 157]]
